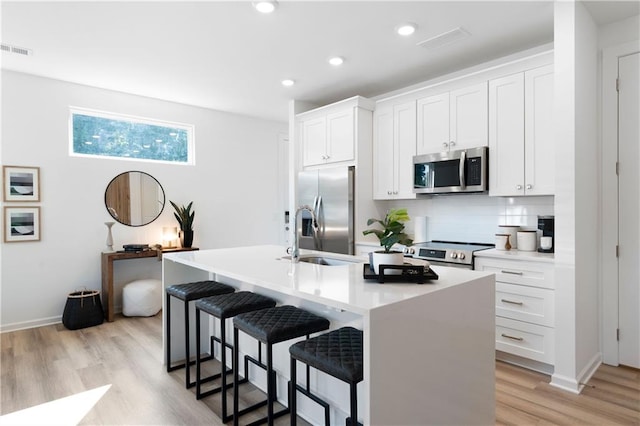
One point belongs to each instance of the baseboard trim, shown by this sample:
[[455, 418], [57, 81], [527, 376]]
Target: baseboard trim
[[16, 326], [575, 385]]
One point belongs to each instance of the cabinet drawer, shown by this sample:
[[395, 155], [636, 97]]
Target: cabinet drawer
[[529, 304], [526, 340], [518, 272]]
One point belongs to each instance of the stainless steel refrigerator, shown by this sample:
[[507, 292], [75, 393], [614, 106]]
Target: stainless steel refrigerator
[[329, 192]]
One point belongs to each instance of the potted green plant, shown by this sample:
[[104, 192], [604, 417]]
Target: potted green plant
[[392, 232], [185, 217]]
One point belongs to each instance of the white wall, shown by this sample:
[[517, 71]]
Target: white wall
[[234, 187]]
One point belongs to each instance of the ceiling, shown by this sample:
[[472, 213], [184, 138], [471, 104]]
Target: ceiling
[[227, 56]]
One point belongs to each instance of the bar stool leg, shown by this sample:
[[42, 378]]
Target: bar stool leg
[[292, 386], [187, 360], [223, 370], [354, 403], [234, 366], [198, 352], [270, 385]]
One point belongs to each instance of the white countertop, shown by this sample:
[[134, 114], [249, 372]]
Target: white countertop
[[516, 255], [341, 286]]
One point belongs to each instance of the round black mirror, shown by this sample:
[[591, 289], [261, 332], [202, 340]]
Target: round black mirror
[[134, 198]]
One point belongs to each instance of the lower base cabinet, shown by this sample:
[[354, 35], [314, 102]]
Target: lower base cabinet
[[525, 307]]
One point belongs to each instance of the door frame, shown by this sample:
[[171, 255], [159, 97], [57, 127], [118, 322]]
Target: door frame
[[609, 199]]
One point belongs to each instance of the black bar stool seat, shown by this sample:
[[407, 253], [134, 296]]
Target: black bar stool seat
[[188, 292], [223, 307], [271, 326], [337, 353]]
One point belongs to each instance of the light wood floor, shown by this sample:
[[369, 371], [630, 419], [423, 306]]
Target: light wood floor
[[47, 363]]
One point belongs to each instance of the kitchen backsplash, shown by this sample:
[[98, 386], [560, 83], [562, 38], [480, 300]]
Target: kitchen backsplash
[[474, 217]]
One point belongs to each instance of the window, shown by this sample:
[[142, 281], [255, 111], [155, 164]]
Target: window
[[95, 133]]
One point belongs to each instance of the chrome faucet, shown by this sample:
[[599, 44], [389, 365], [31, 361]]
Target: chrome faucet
[[294, 250]]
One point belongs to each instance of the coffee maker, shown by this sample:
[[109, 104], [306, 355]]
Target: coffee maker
[[546, 225]]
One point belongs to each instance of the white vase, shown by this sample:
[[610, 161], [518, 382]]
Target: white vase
[[392, 258], [109, 238]]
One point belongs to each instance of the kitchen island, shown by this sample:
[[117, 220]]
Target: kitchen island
[[428, 348]]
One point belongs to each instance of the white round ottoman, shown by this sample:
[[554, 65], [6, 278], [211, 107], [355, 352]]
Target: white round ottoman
[[142, 298]]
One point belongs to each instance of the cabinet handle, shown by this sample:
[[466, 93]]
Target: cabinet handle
[[452, 143], [445, 145], [518, 187], [389, 193], [511, 272], [395, 192], [519, 339], [512, 302], [529, 186]]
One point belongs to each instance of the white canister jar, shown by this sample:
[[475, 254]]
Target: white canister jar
[[502, 242], [527, 240], [512, 230]]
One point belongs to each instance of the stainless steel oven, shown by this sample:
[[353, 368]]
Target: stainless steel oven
[[446, 253]]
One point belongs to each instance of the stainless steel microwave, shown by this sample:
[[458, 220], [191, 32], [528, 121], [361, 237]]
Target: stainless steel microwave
[[463, 170]]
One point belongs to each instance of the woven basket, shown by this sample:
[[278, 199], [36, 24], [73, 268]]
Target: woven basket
[[83, 309]]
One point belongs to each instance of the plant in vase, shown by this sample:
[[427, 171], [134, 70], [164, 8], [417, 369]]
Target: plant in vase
[[185, 217], [392, 232]]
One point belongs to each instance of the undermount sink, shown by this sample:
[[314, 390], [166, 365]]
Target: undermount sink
[[324, 260]]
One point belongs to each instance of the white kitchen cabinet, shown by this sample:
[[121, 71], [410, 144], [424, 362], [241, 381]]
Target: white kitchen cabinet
[[453, 120], [521, 134], [314, 140], [525, 307], [394, 145], [328, 134]]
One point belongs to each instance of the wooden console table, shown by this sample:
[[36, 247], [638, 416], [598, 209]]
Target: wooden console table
[[107, 272]]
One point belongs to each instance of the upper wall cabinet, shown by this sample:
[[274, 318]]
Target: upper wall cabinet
[[453, 120], [521, 160], [328, 134], [394, 145]]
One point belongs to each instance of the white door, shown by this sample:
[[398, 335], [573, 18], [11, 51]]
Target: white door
[[314, 141], [468, 110], [539, 166], [383, 150], [340, 136], [629, 209], [506, 135], [433, 124], [404, 119]]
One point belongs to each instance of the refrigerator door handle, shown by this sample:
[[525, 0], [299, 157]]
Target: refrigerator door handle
[[317, 206]]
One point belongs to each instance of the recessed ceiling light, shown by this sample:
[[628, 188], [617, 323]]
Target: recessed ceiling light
[[288, 82], [265, 6], [406, 29], [336, 61]]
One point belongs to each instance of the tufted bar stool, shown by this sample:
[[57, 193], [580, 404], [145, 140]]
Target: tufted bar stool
[[271, 326], [223, 307], [187, 293], [337, 353]]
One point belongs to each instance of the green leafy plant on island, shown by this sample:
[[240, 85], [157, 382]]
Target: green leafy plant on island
[[392, 231], [184, 216]]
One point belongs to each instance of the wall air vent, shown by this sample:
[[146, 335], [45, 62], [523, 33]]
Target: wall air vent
[[445, 39], [15, 49]]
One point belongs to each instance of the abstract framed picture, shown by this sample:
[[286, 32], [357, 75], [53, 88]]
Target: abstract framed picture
[[21, 183], [21, 223]]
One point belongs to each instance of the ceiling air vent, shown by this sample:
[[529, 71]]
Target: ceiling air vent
[[16, 49], [445, 39]]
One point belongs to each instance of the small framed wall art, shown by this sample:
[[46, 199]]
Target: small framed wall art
[[21, 183], [21, 223]]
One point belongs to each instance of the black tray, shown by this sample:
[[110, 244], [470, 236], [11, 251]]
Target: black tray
[[410, 273]]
